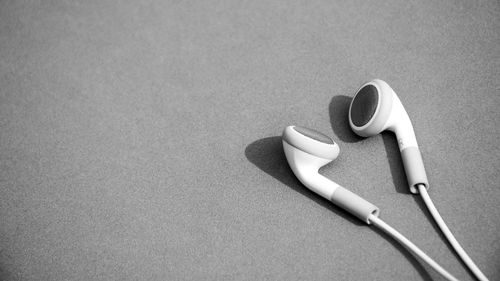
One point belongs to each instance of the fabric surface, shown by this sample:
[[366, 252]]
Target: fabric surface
[[140, 140]]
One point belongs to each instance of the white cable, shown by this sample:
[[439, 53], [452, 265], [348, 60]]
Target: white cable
[[446, 231], [379, 223]]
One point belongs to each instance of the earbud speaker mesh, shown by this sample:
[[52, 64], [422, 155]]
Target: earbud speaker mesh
[[364, 105]]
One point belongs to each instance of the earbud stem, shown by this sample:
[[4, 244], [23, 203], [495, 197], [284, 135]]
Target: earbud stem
[[399, 122], [414, 167], [340, 196], [354, 204]]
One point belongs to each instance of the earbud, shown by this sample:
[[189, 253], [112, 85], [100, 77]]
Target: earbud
[[307, 151], [376, 108]]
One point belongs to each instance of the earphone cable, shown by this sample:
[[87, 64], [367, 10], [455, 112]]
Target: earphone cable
[[447, 233], [379, 223]]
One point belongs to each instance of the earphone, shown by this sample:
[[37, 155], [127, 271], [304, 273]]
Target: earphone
[[306, 151], [374, 108]]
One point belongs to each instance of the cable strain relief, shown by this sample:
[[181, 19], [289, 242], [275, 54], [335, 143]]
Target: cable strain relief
[[354, 204], [414, 168]]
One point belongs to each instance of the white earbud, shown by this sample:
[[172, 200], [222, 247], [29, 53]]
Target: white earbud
[[376, 108], [306, 151]]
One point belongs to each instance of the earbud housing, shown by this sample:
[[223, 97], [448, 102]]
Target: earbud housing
[[307, 151], [376, 108]]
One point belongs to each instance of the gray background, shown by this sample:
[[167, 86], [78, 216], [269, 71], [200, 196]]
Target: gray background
[[139, 140]]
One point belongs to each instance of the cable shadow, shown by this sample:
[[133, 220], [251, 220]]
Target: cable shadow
[[398, 173], [339, 118], [422, 269], [267, 154], [401, 185]]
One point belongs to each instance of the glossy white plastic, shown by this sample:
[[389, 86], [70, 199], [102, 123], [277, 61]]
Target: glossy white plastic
[[391, 115], [305, 160]]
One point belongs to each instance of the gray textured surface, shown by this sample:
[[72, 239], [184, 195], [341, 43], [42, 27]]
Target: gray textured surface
[[138, 139]]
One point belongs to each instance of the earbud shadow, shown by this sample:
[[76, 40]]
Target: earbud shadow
[[401, 184], [339, 111], [422, 268], [267, 154], [395, 163], [339, 119]]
